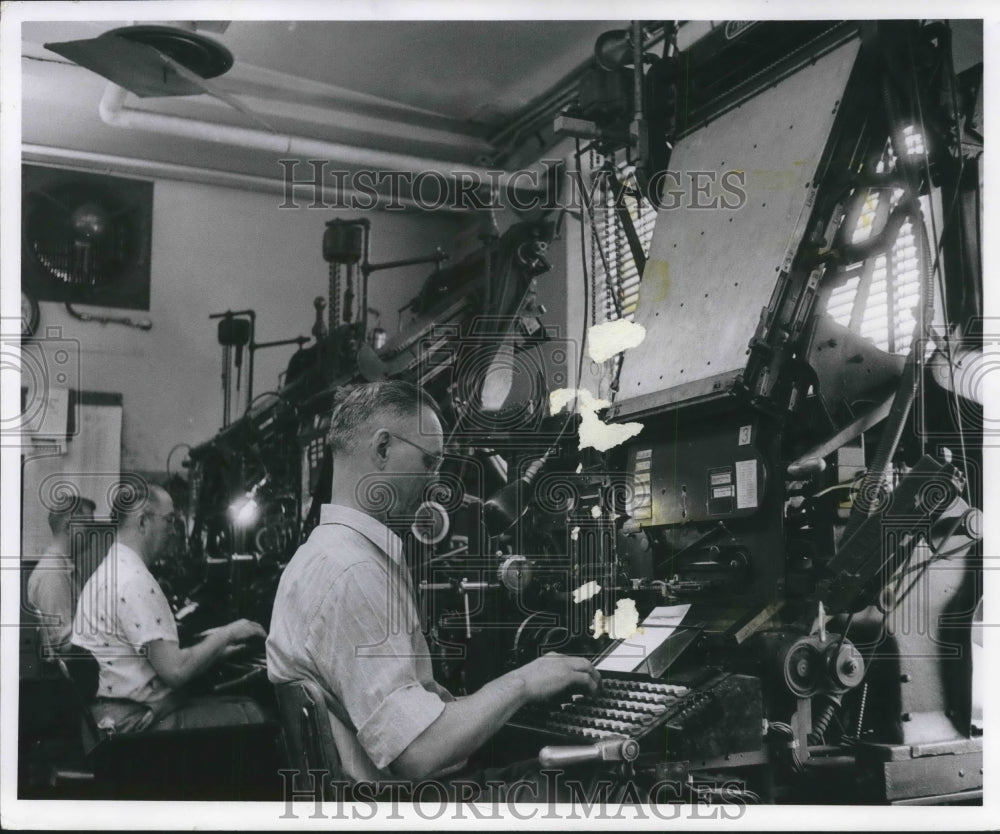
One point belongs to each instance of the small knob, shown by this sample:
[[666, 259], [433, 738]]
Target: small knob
[[972, 524], [846, 666]]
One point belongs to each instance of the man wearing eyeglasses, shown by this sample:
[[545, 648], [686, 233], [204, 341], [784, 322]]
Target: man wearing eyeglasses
[[125, 621], [345, 614]]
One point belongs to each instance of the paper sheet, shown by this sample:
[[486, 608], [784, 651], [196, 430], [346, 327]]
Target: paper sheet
[[653, 632]]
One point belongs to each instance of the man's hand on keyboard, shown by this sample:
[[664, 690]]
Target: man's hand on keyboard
[[242, 631], [552, 673]]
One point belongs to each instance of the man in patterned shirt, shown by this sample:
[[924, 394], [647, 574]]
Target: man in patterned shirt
[[125, 621]]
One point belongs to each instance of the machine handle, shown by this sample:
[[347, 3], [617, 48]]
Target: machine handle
[[249, 677], [607, 750]]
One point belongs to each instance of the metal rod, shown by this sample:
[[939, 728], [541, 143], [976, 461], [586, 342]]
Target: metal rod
[[298, 340], [365, 265], [225, 386], [637, 46], [253, 332], [437, 257], [436, 586]]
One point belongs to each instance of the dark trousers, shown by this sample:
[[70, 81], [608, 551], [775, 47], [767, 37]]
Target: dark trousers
[[176, 713]]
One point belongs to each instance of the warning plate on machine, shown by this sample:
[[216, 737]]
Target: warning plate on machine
[[746, 484], [723, 476]]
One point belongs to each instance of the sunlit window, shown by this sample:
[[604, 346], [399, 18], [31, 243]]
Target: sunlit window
[[616, 278], [880, 298]]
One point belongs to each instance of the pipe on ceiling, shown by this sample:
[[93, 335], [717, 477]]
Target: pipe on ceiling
[[113, 112], [110, 163]]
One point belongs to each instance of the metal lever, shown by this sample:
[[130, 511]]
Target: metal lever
[[606, 750], [245, 678], [468, 618]]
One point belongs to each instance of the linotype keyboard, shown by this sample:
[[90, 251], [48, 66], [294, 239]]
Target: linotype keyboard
[[718, 712], [623, 707]]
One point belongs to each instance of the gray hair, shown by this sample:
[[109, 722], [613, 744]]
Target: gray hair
[[364, 405], [60, 517], [133, 496]]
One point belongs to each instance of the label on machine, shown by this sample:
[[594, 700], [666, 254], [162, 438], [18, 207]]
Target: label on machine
[[724, 476], [746, 484], [641, 505], [703, 474]]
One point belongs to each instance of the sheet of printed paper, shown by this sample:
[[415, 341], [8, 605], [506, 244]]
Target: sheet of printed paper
[[652, 633]]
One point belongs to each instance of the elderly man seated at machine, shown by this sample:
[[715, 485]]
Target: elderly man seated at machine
[[125, 621], [55, 583], [345, 615]]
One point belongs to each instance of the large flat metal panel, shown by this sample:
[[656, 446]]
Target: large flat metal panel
[[712, 270]]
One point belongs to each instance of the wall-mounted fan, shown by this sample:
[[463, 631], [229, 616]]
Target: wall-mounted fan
[[86, 238]]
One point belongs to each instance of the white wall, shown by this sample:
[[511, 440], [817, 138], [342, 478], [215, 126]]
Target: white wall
[[215, 249]]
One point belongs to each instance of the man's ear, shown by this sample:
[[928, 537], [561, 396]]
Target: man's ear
[[380, 448]]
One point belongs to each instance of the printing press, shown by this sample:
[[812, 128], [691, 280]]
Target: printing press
[[777, 572]]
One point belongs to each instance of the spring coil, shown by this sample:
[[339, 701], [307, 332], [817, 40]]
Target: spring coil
[[821, 723], [861, 710], [333, 308]]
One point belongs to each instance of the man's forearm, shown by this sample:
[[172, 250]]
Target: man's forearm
[[464, 726], [200, 657], [55, 603], [189, 663]]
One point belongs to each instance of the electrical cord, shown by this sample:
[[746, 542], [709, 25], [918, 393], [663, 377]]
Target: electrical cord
[[785, 730], [586, 283], [832, 489], [922, 568], [936, 270], [927, 304], [843, 637], [781, 727], [604, 262], [586, 313], [600, 249]]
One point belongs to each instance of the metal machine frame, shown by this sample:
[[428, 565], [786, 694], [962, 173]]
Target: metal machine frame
[[808, 498]]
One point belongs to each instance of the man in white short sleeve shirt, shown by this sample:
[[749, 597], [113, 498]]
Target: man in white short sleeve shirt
[[125, 621], [54, 584]]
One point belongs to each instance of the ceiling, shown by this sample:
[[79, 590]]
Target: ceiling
[[435, 91], [440, 90]]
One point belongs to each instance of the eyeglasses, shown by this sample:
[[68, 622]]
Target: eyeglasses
[[432, 460], [170, 518]]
